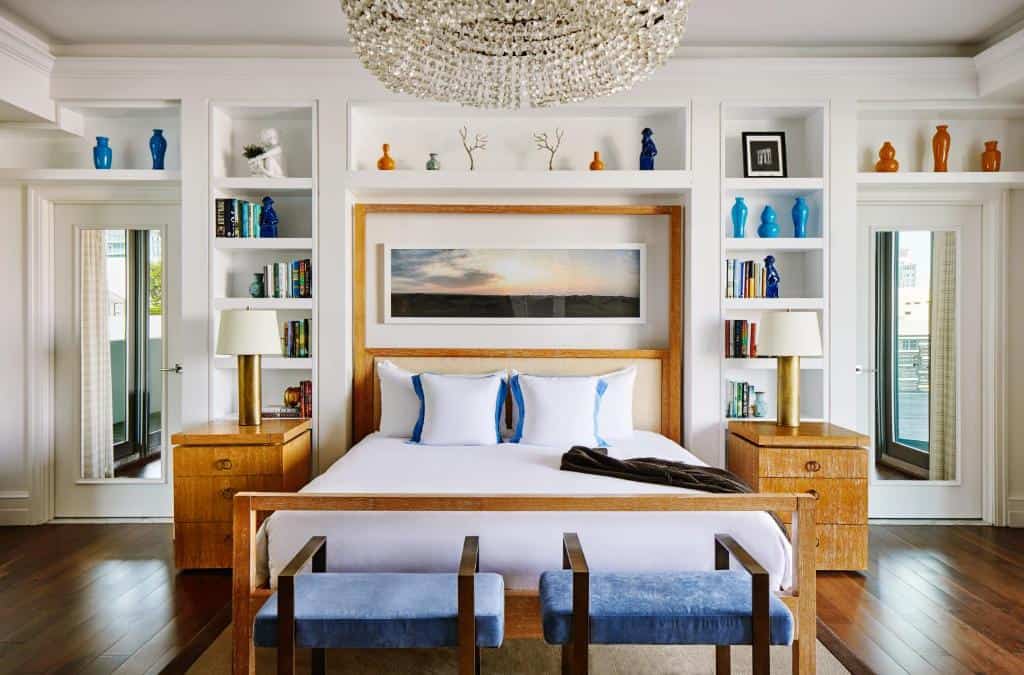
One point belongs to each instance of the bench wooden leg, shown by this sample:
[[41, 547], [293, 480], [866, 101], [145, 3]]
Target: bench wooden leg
[[319, 662], [723, 660]]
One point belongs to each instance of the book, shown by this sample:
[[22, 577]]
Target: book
[[221, 215]]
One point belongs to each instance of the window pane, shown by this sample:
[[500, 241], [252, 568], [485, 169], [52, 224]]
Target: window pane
[[154, 355], [117, 327], [913, 311]]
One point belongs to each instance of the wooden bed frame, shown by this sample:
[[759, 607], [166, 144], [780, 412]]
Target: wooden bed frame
[[522, 613]]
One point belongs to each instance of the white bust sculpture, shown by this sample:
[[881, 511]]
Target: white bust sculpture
[[271, 162]]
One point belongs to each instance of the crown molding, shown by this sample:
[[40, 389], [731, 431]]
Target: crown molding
[[1001, 66], [24, 47]]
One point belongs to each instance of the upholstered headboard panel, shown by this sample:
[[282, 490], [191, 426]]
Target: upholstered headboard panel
[[647, 398]]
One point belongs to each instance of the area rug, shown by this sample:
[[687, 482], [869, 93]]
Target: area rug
[[516, 657]]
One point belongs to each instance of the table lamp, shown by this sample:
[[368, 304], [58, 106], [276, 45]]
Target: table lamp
[[248, 334], [788, 336]]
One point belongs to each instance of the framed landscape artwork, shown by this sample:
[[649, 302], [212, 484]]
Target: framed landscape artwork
[[586, 284]]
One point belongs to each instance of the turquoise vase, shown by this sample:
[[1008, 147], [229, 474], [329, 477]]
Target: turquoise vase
[[102, 155], [769, 228], [800, 213], [158, 148], [739, 218], [433, 164]]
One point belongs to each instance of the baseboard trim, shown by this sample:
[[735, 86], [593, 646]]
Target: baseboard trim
[[928, 521], [109, 521], [1015, 512]]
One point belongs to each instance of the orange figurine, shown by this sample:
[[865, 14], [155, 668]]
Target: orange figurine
[[940, 148], [992, 158], [386, 163], [597, 164], [887, 159]]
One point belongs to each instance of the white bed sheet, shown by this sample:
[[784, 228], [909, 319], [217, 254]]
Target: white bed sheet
[[517, 545]]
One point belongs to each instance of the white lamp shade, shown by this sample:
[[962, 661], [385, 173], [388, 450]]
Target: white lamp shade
[[789, 334], [248, 331]]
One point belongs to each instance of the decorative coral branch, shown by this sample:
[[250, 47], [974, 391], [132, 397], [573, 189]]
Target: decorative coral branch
[[544, 143], [479, 143]]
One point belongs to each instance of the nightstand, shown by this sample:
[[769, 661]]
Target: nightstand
[[213, 462], [822, 459]]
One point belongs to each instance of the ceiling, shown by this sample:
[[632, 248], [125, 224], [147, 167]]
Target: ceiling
[[733, 23]]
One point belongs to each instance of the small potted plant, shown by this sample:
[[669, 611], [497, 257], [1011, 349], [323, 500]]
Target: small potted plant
[[250, 151]]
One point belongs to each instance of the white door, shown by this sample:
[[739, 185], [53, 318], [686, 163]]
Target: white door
[[116, 398], [920, 345]]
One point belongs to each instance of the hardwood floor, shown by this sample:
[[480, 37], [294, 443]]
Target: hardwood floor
[[98, 599], [101, 599], [936, 599]]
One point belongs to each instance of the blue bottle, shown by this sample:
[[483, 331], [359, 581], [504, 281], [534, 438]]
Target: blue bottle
[[800, 213], [268, 219], [772, 277], [102, 154], [769, 228], [647, 150], [739, 218], [158, 148]]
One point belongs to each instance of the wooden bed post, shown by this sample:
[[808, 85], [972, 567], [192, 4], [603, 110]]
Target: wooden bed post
[[805, 541], [243, 660]]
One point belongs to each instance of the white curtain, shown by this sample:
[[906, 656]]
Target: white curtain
[[97, 395], [942, 383]]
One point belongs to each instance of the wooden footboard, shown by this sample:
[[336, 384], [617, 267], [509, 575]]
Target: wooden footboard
[[522, 616]]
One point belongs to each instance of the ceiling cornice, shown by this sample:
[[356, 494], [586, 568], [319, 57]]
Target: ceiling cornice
[[23, 46], [1001, 66]]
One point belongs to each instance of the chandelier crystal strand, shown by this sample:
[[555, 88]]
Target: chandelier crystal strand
[[498, 53]]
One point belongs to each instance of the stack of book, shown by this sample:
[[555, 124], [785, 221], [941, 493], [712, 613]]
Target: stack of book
[[238, 218], [296, 339], [745, 279], [303, 409], [741, 400], [288, 280], [740, 339]]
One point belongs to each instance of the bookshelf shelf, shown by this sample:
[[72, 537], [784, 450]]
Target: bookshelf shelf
[[773, 304], [286, 304], [1002, 179], [268, 362], [794, 185], [665, 182], [778, 244], [769, 364], [92, 176], [276, 244], [269, 186]]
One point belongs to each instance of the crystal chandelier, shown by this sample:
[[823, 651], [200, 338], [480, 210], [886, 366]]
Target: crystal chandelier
[[496, 53]]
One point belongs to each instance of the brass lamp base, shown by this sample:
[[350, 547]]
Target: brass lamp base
[[249, 394], [788, 394]]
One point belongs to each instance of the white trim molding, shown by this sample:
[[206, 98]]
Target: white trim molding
[[1001, 67], [24, 47]]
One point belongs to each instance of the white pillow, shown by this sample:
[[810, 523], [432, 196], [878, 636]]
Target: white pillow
[[459, 409], [615, 419], [559, 412], [399, 404]]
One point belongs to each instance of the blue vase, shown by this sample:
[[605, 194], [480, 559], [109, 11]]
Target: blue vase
[[769, 228], [772, 277], [102, 154], [158, 148], [800, 213], [648, 150], [739, 218]]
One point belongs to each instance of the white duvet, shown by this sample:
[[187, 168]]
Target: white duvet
[[517, 545]]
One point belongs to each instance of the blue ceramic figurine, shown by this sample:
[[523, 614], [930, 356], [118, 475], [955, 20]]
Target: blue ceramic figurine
[[158, 148], [772, 277], [800, 213], [739, 218], [769, 228], [647, 150], [102, 154], [268, 219]]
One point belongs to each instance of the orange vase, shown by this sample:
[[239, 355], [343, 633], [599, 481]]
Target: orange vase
[[887, 159], [597, 164], [940, 148], [992, 158], [386, 163]]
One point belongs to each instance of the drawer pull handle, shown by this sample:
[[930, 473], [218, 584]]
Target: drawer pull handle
[[224, 464], [812, 466], [228, 493], [227, 538], [817, 542], [814, 493]]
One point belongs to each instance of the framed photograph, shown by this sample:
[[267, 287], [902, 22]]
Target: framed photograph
[[516, 285], [764, 154]]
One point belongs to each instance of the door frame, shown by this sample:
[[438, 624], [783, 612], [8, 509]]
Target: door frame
[[41, 201], [994, 205]]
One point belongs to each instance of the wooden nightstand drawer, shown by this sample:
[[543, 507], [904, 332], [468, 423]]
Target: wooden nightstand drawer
[[237, 460], [812, 463], [840, 500], [209, 498], [842, 547], [202, 545]]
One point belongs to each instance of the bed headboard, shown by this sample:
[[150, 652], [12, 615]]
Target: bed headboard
[[657, 404]]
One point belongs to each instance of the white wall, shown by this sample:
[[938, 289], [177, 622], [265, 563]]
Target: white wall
[[13, 466], [1015, 360]]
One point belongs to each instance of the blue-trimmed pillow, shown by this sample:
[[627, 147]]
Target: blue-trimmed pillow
[[558, 412], [459, 409]]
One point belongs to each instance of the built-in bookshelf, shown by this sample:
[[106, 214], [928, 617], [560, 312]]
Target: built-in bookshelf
[[235, 259], [802, 262]]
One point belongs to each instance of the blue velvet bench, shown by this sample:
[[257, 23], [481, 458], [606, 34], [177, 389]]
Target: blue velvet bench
[[324, 610], [721, 607]]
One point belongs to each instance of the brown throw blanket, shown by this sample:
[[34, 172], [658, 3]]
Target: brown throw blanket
[[656, 470]]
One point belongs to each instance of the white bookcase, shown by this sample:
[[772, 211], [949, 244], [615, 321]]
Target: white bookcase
[[234, 260], [802, 262]]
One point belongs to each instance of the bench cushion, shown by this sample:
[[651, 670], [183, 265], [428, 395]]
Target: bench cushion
[[672, 608], [367, 610]]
